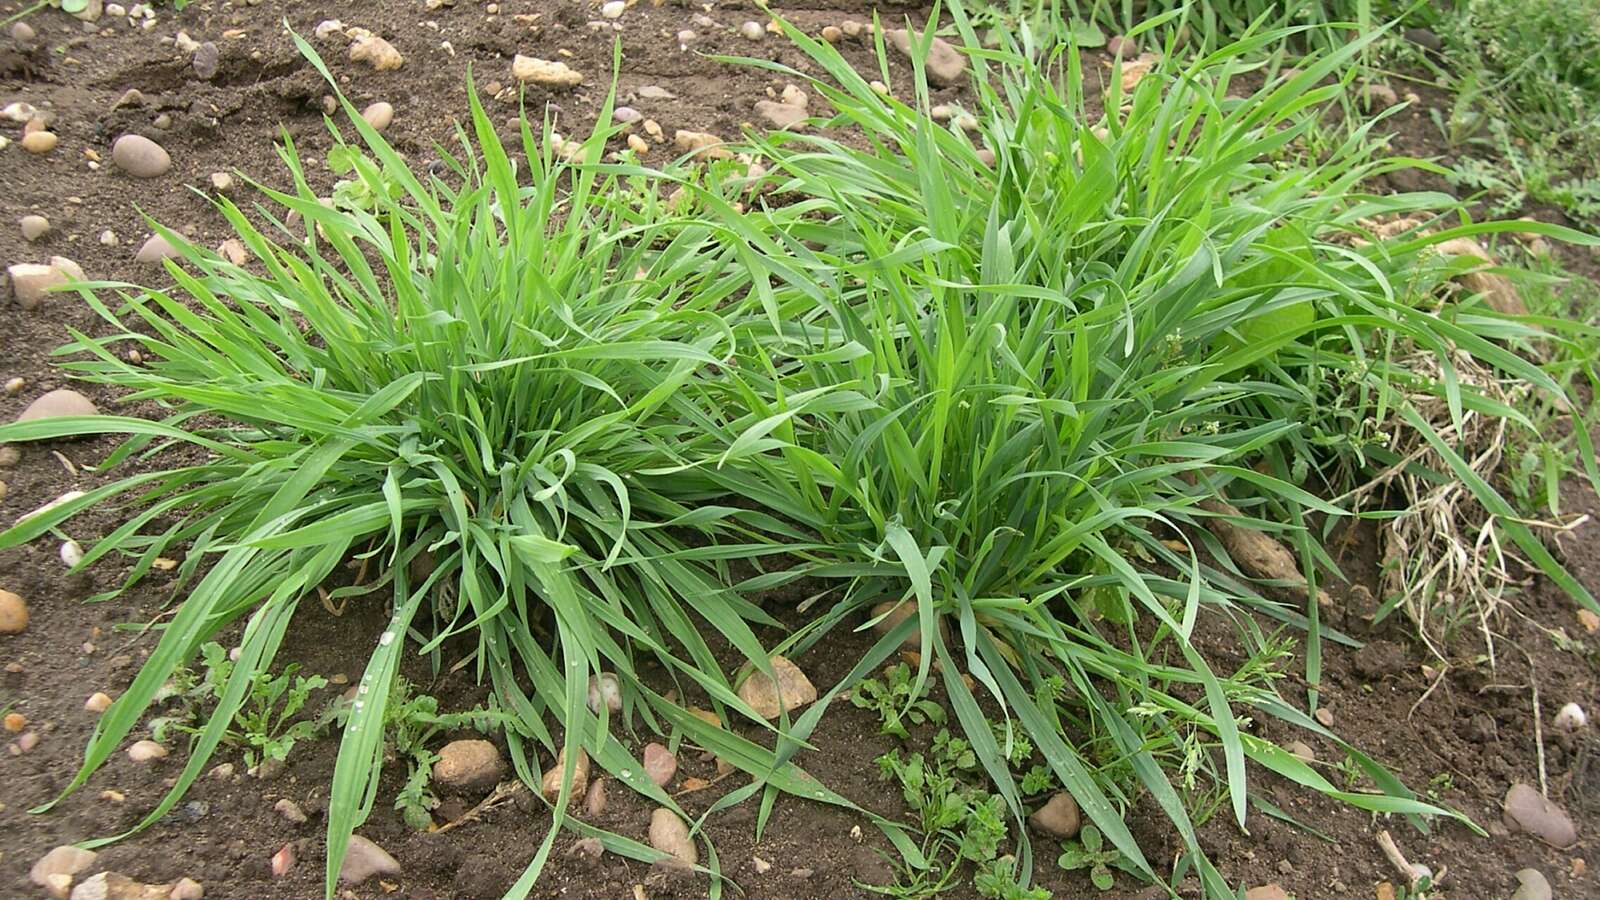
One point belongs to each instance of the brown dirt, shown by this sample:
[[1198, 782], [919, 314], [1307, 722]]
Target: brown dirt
[[1475, 726]]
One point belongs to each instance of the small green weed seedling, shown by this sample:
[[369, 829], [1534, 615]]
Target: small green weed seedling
[[892, 699], [262, 725], [998, 879], [1089, 852], [959, 822]]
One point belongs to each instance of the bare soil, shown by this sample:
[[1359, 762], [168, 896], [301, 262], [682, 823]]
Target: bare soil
[[1465, 736]]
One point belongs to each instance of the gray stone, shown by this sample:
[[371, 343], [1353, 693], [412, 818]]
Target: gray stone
[[1532, 885], [364, 859], [206, 60], [1527, 810], [140, 157]]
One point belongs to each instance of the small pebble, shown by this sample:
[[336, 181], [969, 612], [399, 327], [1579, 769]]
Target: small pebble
[[34, 227], [13, 613], [543, 71], [594, 802], [1059, 817], [1571, 718], [364, 859], [469, 765], [282, 861], [669, 835], [290, 811], [659, 764], [15, 722], [145, 751], [378, 115], [14, 386], [186, 889], [1525, 809], [140, 157], [605, 689], [377, 53], [752, 31], [156, 249], [613, 9], [206, 60], [221, 182], [28, 741], [64, 860], [71, 554], [97, 703], [686, 37], [22, 33], [39, 142], [233, 251]]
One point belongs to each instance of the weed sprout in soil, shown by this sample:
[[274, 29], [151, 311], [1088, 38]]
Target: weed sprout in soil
[[1022, 378]]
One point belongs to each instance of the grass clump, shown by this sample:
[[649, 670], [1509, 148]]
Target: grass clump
[[490, 388], [1072, 346]]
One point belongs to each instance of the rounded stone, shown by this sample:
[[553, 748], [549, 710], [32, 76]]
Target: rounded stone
[[1059, 817], [752, 31], [34, 227], [13, 613], [1528, 810], [145, 751], [468, 766], [659, 764], [58, 403], [39, 142], [669, 835], [155, 249], [140, 157], [378, 115]]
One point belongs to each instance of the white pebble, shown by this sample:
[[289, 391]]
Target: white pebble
[[1571, 717], [614, 9], [752, 31], [71, 553]]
